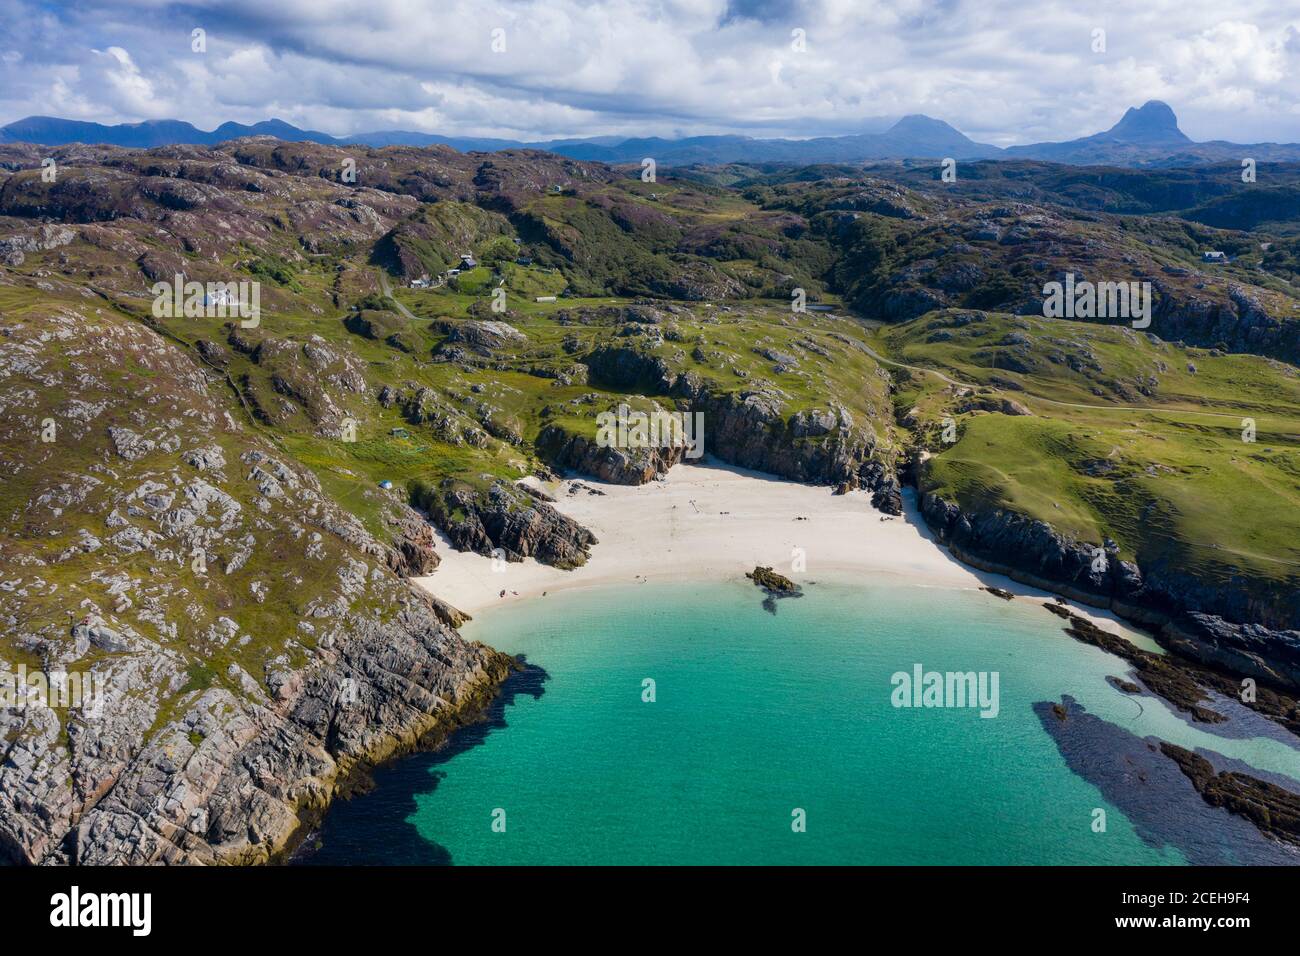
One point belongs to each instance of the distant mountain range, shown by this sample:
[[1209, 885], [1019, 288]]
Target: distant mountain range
[[1146, 136]]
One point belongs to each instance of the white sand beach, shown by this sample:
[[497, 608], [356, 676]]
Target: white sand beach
[[712, 521]]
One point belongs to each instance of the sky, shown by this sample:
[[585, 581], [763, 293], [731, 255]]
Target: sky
[[1001, 71]]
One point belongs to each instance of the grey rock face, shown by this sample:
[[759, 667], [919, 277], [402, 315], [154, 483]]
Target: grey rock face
[[129, 445], [633, 466], [228, 780], [95, 632], [748, 428], [485, 337], [1269, 654], [174, 731], [1201, 619], [510, 519]]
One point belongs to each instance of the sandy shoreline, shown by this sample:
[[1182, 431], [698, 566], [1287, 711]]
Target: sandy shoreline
[[711, 521]]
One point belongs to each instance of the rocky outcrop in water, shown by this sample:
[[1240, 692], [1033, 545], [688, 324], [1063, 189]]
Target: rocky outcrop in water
[[1161, 674], [774, 583], [1272, 809], [775, 586], [1156, 795], [1185, 683]]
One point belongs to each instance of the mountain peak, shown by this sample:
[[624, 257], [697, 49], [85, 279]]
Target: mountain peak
[[920, 123], [1153, 122]]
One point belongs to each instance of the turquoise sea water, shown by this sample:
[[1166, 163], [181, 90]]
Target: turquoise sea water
[[757, 715]]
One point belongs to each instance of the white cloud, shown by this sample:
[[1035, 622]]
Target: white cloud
[[1003, 71], [121, 84]]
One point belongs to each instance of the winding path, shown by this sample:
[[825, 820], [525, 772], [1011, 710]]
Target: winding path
[[388, 292]]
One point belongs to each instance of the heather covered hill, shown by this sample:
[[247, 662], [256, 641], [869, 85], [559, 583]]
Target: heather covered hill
[[891, 250], [317, 246], [903, 251], [1213, 195]]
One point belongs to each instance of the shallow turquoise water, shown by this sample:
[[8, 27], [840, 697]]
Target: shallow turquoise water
[[757, 715]]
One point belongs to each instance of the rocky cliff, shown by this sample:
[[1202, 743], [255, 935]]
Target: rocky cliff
[[1210, 621], [618, 466], [511, 522], [751, 427], [255, 648]]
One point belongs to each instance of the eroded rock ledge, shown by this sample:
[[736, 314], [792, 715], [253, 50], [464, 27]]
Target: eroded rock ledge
[[1272, 809], [515, 520], [1214, 623], [229, 783]]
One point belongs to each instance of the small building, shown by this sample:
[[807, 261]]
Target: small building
[[467, 261], [386, 485], [420, 283], [400, 433], [1214, 255], [452, 272], [523, 261], [546, 298]]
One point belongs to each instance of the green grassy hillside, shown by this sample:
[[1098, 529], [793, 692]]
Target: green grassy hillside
[[1126, 438]]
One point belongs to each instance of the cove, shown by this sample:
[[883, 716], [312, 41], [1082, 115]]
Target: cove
[[756, 716]]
